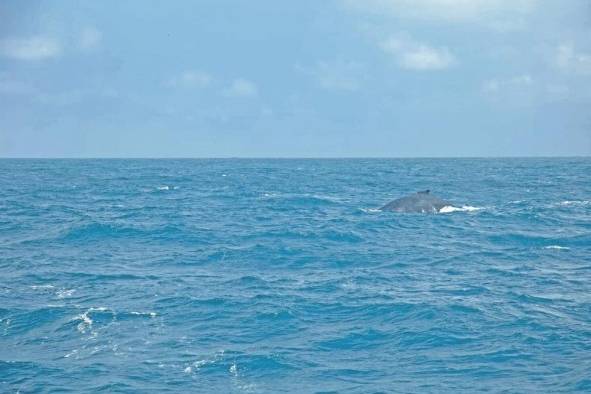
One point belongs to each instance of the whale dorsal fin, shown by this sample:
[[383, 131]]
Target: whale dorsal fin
[[424, 192]]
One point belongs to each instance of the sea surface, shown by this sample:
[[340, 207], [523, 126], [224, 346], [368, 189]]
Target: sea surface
[[270, 276]]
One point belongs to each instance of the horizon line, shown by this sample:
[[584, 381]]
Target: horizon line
[[284, 157]]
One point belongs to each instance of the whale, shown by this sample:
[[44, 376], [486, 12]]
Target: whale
[[419, 202]]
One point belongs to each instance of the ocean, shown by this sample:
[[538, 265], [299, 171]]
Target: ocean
[[280, 275]]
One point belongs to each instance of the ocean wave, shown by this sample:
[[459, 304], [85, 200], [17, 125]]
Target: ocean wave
[[521, 239], [166, 188], [350, 237], [305, 199], [370, 210], [275, 316], [24, 321], [248, 281], [42, 287], [239, 366], [268, 196], [293, 280], [90, 232], [100, 231], [196, 366], [556, 247], [103, 316], [575, 203], [85, 320], [367, 339], [65, 293], [315, 234]]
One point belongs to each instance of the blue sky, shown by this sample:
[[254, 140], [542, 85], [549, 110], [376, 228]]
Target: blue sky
[[334, 78]]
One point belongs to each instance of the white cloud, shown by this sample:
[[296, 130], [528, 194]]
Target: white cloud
[[569, 60], [32, 48], [90, 38], [340, 75], [192, 79], [498, 85], [518, 91], [449, 10], [413, 55], [241, 88]]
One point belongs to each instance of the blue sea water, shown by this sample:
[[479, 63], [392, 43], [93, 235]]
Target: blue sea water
[[267, 276]]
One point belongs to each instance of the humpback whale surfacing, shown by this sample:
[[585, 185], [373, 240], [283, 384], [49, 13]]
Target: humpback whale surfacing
[[420, 202]]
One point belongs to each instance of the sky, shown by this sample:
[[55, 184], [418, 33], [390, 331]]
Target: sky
[[306, 78]]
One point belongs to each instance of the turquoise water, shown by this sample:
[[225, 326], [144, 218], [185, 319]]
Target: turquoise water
[[239, 276]]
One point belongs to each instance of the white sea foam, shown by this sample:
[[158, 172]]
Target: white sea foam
[[151, 314], [201, 363], [234, 369], [269, 195], [197, 365], [464, 208], [326, 198], [85, 323], [371, 210], [575, 202], [63, 293], [163, 188], [557, 247], [85, 320], [40, 287]]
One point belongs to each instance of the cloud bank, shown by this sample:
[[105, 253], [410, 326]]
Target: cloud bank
[[413, 55], [190, 79], [569, 60], [241, 88], [31, 48], [447, 10]]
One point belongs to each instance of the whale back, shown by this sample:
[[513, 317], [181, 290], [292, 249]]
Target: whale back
[[420, 202]]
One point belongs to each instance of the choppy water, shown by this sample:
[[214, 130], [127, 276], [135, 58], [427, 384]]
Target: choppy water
[[235, 276]]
